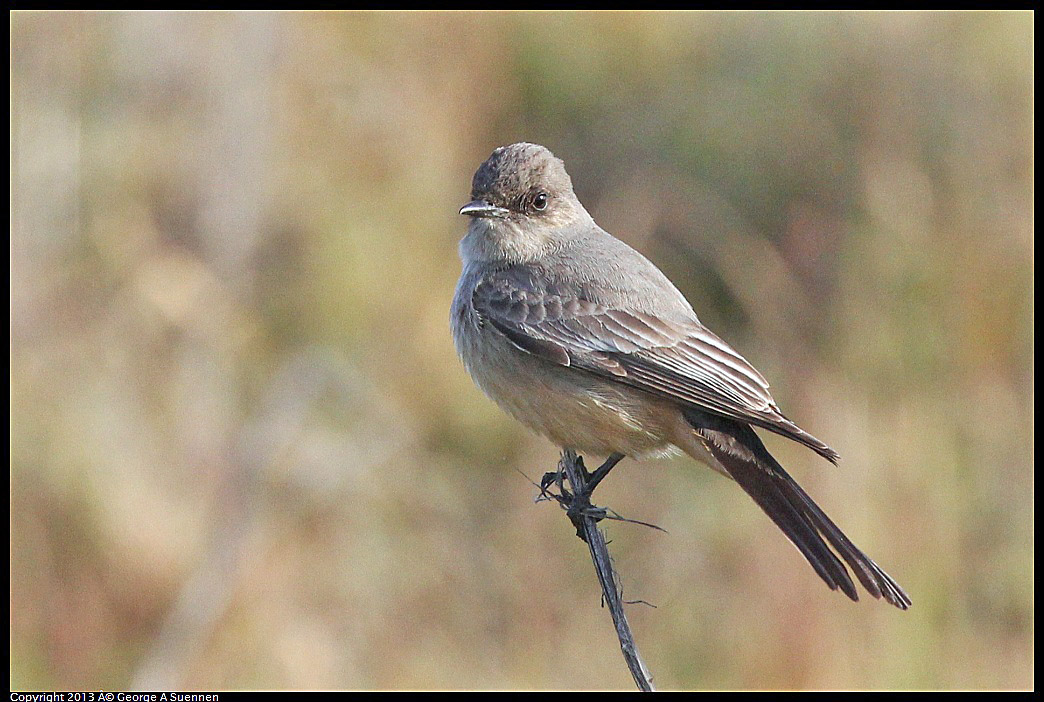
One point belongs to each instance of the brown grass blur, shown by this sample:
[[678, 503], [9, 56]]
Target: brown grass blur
[[245, 455]]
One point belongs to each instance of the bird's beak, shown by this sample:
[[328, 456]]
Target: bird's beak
[[481, 208]]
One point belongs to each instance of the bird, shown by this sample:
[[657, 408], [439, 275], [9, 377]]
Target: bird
[[584, 340]]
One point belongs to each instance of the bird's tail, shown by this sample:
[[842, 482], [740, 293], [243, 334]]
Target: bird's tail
[[741, 455]]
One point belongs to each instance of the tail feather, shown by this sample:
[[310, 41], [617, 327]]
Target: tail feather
[[876, 581], [744, 457], [794, 522]]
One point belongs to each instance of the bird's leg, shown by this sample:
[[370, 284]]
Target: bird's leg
[[576, 499], [556, 476], [593, 479], [590, 480], [583, 484]]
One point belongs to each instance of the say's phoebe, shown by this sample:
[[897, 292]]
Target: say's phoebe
[[581, 338]]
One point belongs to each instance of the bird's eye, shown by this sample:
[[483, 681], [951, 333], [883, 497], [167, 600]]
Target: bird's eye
[[540, 201]]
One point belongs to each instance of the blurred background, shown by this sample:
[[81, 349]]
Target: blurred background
[[244, 453]]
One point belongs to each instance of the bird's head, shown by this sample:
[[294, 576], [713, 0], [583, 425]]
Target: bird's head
[[522, 205]]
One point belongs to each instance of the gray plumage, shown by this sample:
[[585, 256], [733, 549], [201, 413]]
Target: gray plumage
[[583, 339]]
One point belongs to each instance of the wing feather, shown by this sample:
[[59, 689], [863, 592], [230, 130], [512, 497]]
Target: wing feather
[[682, 360]]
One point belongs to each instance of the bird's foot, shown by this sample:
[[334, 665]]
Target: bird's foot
[[577, 497]]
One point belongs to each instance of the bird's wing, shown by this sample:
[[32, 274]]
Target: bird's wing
[[683, 360]]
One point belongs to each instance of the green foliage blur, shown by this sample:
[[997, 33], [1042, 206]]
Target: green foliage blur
[[243, 451]]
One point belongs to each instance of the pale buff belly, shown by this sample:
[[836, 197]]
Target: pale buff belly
[[571, 407]]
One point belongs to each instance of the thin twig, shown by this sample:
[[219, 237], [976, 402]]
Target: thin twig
[[585, 518]]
